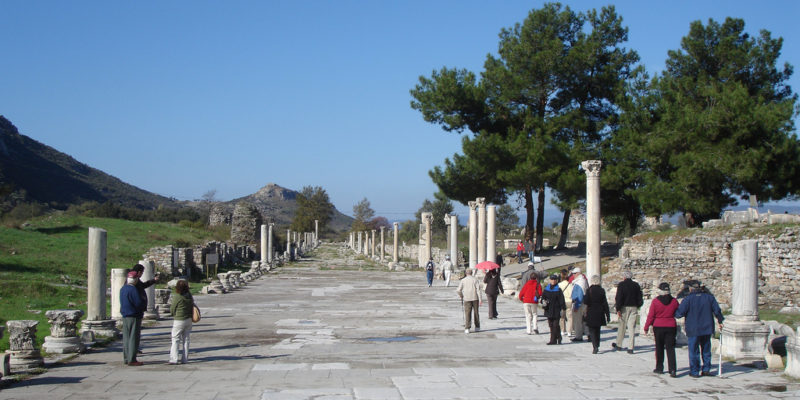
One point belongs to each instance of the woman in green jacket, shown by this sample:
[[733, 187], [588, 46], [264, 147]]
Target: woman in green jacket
[[181, 309]]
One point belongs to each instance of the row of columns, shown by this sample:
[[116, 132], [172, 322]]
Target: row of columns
[[368, 246], [482, 232]]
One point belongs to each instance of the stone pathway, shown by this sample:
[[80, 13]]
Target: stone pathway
[[310, 333]]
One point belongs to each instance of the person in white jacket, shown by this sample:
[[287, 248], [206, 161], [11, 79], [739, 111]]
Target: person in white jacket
[[470, 293], [447, 270]]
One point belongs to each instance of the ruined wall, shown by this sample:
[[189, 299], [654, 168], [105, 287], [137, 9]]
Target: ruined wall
[[195, 257], [706, 255]]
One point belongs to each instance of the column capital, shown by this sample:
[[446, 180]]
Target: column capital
[[472, 205], [395, 224], [427, 217], [481, 201], [592, 168]]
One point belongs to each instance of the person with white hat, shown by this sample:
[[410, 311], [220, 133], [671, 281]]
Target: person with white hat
[[447, 270]]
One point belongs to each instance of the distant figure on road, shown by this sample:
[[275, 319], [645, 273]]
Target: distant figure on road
[[597, 312], [520, 250], [699, 308], [132, 307], [661, 317], [530, 294], [627, 303], [470, 293], [555, 306], [429, 267], [493, 287], [531, 249], [447, 270], [181, 307]]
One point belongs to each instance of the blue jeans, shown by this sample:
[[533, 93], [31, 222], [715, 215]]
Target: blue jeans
[[430, 277], [698, 345]]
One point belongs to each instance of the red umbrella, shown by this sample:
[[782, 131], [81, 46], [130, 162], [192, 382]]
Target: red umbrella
[[487, 265]]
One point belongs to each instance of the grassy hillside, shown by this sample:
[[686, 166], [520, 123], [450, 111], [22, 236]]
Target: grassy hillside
[[43, 265]]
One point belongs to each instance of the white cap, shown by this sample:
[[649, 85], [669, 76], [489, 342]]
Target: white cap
[[576, 270]]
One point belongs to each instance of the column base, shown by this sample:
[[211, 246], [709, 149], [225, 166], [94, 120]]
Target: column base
[[63, 345], [744, 341], [793, 355], [151, 315], [24, 360], [106, 327]]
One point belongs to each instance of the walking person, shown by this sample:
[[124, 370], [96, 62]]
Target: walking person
[[520, 250], [132, 307], [526, 276], [627, 303], [597, 311], [181, 307], [530, 294], [493, 287], [447, 270], [661, 317], [429, 267], [565, 322], [555, 306], [531, 249], [580, 286], [470, 293], [699, 308]]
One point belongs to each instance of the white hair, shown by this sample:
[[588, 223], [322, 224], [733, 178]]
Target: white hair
[[595, 279], [627, 274]]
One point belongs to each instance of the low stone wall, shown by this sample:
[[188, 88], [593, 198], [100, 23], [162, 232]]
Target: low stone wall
[[195, 257], [706, 255]]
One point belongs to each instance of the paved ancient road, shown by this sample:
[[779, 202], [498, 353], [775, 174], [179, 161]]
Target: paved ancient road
[[310, 333]]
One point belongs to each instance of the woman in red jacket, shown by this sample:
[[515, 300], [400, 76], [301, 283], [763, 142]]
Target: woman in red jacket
[[530, 295], [662, 317]]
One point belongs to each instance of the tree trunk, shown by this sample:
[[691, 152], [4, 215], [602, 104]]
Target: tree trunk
[[540, 221], [528, 213], [562, 241]]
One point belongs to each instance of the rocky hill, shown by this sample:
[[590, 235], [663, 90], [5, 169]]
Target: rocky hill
[[32, 171]]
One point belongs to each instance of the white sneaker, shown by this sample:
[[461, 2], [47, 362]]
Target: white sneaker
[[466, 330], [528, 331]]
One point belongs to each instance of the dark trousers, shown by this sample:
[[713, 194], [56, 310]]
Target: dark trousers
[[429, 275], [492, 299], [594, 336], [665, 341], [555, 330], [131, 332], [699, 345], [471, 310]]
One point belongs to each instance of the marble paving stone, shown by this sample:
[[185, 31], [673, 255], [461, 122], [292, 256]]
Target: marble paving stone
[[362, 393]]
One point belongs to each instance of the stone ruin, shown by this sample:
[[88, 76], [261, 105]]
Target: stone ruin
[[245, 224]]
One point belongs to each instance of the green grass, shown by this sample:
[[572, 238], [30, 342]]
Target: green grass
[[766, 314], [43, 264]]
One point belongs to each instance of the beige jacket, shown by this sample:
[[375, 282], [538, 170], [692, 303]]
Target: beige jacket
[[469, 289]]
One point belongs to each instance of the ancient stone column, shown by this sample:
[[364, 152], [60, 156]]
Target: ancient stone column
[[427, 219], [63, 332], [372, 245], [289, 243], [481, 229], [383, 243], [592, 170], [96, 319], [395, 234], [316, 232], [119, 277], [454, 240], [263, 244], [162, 301], [22, 346], [744, 336], [473, 234], [269, 244], [491, 234], [358, 250], [366, 243], [148, 274]]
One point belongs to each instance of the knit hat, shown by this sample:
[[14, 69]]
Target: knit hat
[[663, 289]]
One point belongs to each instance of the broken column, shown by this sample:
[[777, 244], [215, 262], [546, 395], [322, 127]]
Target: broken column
[[63, 337], [592, 170], [119, 277], [395, 233], [149, 273], [473, 234], [427, 219], [383, 244], [162, 302], [481, 202], [22, 346], [269, 243], [96, 319], [744, 336], [491, 215]]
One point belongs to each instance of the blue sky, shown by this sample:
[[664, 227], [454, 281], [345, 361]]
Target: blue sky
[[181, 97]]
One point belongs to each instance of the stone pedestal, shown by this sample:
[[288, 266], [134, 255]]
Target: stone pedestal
[[63, 337], [162, 301], [118, 280], [793, 354], [592, 170], [149, 273], [22, 340], [395, 240], [473, 234], [481, 202], [744, 336], [223, 279]]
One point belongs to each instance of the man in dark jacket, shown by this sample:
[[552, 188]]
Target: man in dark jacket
[[141, 287], [132, 307], [699, 308], [628, 300]]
